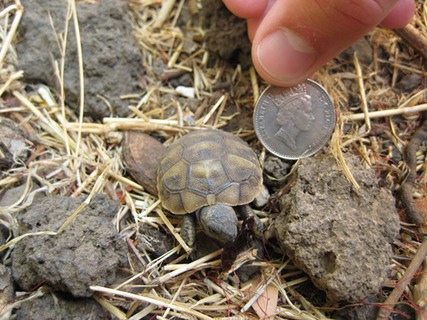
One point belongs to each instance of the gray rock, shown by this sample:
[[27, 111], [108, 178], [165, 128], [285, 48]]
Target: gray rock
[[112, 61], [14, 148], [339, 236], [88, 252], [154, 240], [7, 292], [12, 195], [275, 171], [363, 50], [409, 83]]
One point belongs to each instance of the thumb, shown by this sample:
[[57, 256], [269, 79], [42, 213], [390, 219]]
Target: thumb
[[297, 37]]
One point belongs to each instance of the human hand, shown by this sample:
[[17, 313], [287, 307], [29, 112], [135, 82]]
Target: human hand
[[292, 39]]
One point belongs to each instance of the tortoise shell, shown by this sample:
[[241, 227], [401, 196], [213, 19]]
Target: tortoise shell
[[207, 167]]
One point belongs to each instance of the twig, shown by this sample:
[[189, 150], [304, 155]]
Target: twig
[[30, 234], [384, 313], [95, 189], [420, 293], [172, 74], [254, 83], [133, 124], [8, 40], [81, 75], [164, 13], [158, 301], [364, 104], [259, 291], [172, 230], [9, 81], [187, 267], [408, 184], [415, 38], [387, 113]]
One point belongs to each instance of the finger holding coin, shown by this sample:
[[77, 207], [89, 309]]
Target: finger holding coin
[[294, 122]]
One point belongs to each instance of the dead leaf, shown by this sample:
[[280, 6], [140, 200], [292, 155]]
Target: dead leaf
[[266, 305]]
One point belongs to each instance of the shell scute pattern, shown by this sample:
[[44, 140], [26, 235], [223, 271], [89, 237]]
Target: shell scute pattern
[[203, 150], [171, 157], [206, 167], [172, 178], [207, 177]]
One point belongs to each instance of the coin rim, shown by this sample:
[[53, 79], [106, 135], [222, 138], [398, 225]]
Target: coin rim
[[305, 154]]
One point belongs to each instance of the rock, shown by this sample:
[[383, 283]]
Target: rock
[[58, 307], [12, 195], [262, 197], [275, 171], [88, 252], [112, 61], [153, 240], [339, 236], [14, 146], [363, 49], [409, 83], [7, 292], [367, 310]]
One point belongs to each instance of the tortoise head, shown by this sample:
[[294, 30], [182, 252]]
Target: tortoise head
[[219, 221]]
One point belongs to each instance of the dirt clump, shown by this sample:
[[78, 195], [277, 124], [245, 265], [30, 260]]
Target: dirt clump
[[108, 48], [340, 236], [57, 307], [88, 252], [226, 34]]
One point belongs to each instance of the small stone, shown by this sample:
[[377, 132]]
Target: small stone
[[154, 241], [14, 147], [12, 195], [188, 92], [262, 197], [409, 83], [363, 50], [275, 171], [339, 236]]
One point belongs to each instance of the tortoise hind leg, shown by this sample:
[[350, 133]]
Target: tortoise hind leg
[[188, 229]]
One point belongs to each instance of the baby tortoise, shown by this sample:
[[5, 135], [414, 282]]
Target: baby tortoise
[[208, 172]]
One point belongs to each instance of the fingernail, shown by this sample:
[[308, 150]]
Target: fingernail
[[285, 56]]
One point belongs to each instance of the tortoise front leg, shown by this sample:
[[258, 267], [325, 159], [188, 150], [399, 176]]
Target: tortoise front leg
[[188, 229], [245, 212]]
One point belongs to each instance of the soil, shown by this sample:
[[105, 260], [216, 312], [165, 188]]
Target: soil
[[327, 246], [226, 34], [88, 252], [326, 226], [57, 306], [109, 50]]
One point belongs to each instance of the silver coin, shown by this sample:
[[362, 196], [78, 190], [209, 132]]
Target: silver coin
[[294, 122]]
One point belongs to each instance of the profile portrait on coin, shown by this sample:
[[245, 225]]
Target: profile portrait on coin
[[294, 116]]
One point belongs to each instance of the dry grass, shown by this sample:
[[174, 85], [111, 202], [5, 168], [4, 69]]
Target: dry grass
[[75, 157]]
